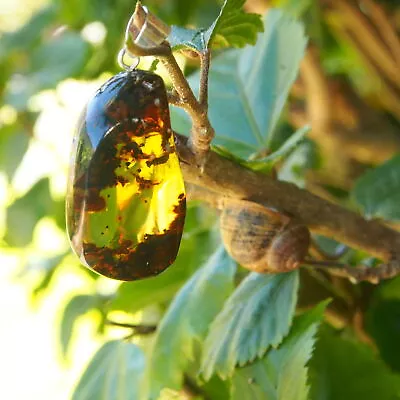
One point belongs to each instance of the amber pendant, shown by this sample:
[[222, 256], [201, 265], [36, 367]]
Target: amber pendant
[[126, 200]]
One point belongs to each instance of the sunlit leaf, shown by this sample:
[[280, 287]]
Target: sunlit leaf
[[114, 373], [75, 308], [233, 27], [48, 267], [62, 57], [282, 373], [187, 320], [377, 192], [13, 145], [23, 215], [29, 34], [257, 316]]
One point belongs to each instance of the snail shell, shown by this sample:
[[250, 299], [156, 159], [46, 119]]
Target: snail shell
[[262, 239]]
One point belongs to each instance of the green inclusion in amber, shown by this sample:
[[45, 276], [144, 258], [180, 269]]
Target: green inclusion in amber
[[126, 198]]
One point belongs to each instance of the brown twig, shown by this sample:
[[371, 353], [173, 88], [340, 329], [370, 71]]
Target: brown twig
[[173, 98], [138, 329], [367, 274], [202, 132], [205, 59]]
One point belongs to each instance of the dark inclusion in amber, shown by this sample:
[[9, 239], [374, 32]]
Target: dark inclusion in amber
[[126, 198]]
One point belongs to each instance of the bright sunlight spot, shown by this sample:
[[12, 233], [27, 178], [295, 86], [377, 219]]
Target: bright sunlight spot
[[95, 32]]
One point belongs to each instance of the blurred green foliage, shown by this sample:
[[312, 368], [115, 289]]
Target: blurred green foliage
[[220, 332]]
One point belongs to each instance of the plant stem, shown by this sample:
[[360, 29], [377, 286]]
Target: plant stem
[[205, 59], [137, 328], [202, 132]]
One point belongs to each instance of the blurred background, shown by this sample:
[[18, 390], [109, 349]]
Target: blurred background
[[53, 56]]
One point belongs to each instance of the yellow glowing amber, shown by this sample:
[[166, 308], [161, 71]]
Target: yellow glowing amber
[[126, 197]]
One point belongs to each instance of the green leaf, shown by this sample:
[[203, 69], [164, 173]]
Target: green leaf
[[76, 307], [388, 290], [282, 373], [184, 10], [382, 321], [60, 58], [248, 89], [114, 373], [48, 267], [310, 13], [266, 164], [258, 315], [233, 27], [29, 34], [187, 320], [13, 145], [347, 370], [296, 7], [183, 37], [377, 192], [269, 69], [23, 215], [294, 168]]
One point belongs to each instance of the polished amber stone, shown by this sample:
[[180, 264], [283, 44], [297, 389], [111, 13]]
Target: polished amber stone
[[125, 203]]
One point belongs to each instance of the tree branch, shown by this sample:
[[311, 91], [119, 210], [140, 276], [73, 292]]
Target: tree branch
[[222, 179], [364, 273]]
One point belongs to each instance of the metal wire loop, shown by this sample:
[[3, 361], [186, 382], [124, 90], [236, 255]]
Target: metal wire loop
[[127, 67]]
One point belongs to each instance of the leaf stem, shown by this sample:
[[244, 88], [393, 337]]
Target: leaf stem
[[205, 59], [138, 329]]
